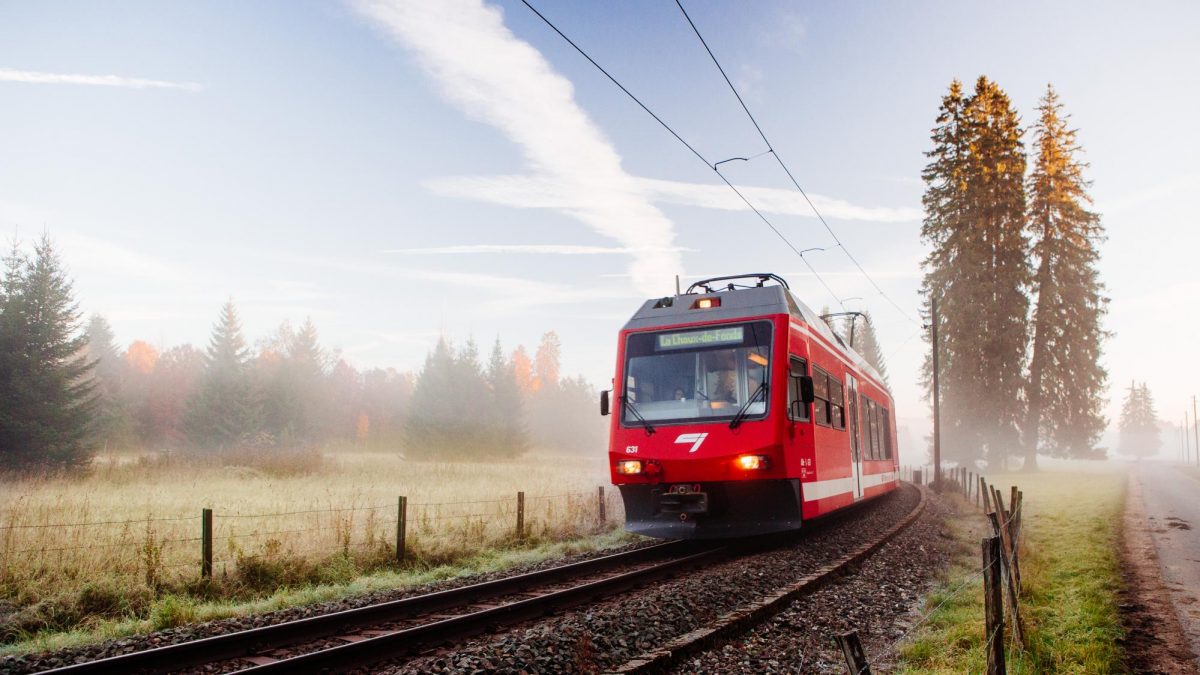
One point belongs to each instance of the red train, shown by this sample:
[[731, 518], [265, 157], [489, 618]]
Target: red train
[[738, 412]]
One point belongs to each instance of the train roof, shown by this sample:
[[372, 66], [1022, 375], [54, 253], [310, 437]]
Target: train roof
[[743, 303]]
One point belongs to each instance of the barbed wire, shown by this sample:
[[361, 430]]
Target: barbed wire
[[137, 521]]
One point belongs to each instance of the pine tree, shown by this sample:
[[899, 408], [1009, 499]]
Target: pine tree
[[974, 219], [1066, 380], [507, 406], [1139, 432], [435, 426], [223, 413], [865, 342], [48, 400], [112, 423]]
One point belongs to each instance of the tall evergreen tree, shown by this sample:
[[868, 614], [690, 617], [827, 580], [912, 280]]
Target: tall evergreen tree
[[1066, 380], [975, 222], [507, 405], [223, 413], [48, 397], [112, 417], [866, 342], [1139, 432]]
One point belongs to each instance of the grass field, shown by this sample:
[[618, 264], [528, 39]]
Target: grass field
[[1070, 575], [118, 551]]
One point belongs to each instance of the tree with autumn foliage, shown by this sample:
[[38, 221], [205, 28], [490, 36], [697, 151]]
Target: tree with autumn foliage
[[978, 269], [1066, 380]]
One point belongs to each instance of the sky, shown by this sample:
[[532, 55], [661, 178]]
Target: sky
[[400, 170]]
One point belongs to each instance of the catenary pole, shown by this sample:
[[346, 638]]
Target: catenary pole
[[937, 395], [1195, 429]]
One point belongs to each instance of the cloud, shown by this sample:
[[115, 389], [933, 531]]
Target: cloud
[[496, 78], [101, 256], [538, 249], [541, 192], [34, 77], [493, 293], [1154, 194]]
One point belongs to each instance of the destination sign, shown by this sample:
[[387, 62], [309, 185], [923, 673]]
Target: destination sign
[[701, 338]]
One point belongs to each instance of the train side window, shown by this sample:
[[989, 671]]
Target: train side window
[[821, 391], [864, 426], [887, 434], [797, 409], [875, 446], [837, 409]]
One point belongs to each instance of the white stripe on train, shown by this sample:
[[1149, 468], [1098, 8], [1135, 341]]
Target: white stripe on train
[[820, 489]]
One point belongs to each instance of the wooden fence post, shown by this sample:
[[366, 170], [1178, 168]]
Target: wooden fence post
[[520, 515], [856, 658], [600, 502], [401, 528], [993, 607], [1013, 585], [983, 491], [206, 543]]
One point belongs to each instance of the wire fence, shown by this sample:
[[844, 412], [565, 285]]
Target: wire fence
[[181, 546], [999, 571]]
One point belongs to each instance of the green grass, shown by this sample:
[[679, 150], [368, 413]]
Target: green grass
[[176, 609], [1070, 573]]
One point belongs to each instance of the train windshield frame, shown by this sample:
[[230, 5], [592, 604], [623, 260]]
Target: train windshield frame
[[697, 375]]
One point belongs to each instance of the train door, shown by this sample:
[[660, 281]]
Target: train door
[[855, 454]]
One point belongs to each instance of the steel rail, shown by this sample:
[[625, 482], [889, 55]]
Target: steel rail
[[256, 640], [406, 641], [741, 620]]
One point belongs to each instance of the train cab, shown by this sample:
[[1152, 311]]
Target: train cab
[[736, 412]]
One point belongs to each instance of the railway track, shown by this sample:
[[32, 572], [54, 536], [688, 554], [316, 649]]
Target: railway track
[[744, 618], [357, 637]]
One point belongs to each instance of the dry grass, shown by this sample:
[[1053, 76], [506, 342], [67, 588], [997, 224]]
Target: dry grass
[[113, 544]]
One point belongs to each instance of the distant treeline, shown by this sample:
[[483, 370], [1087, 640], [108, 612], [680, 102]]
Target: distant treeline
[[67, 392]]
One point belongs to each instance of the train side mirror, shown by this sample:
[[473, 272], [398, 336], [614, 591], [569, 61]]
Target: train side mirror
[[604, 402], [807, 392]]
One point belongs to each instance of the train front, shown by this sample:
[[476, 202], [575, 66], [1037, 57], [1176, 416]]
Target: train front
[[696, 447]]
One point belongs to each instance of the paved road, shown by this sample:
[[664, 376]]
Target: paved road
[[1172, 504]]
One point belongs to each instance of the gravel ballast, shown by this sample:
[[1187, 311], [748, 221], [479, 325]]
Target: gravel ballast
[[606, 634]]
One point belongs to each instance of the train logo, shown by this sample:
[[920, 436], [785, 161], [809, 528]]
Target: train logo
[[694, 439]]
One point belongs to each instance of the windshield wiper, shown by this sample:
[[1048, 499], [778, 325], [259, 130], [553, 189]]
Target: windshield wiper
[[630, 407], [737, 419]]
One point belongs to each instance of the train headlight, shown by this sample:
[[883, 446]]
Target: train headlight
[[629, 467], [753, 462]]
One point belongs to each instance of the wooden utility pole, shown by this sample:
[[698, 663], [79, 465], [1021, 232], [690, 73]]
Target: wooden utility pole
[[1187, 441], [937, 395], [1195, 429]]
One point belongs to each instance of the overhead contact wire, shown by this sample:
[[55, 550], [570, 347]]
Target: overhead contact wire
[[786, 170], [687, 145]]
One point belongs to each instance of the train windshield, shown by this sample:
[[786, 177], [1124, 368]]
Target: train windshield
[[697, 374]]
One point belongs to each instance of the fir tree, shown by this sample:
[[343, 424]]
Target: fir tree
[[865, 342], [1139, 432], [48, 400], [223, 413], [112, 423], [507, 406], [975, 222], [1066, 380], [433, 425]]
